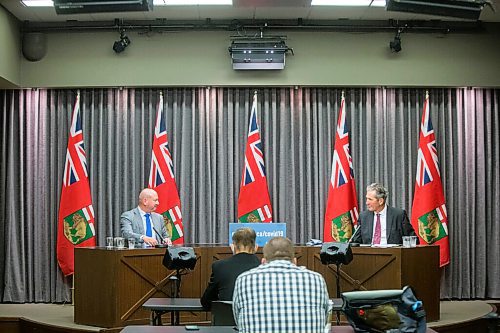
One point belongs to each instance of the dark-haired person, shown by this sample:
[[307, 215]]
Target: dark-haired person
[[225, 271], [279, 296], [382, 224]]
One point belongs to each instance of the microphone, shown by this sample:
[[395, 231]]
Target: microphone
[[357, 229], [158, 234]]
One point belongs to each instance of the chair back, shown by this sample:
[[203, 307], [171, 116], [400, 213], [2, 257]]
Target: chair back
[[222, 313]]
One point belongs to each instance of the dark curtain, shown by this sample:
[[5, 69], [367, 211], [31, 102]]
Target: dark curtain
[[207, 129]]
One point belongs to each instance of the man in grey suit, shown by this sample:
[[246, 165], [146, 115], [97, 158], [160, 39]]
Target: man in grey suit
[[142, 223], [382, 224]]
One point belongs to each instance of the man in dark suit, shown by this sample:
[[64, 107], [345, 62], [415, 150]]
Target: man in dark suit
[[382, 224], [142, 223], [225, 271]]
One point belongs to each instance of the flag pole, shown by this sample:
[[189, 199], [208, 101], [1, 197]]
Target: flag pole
[[427, 94], [343, 92], [73, 275], [73, 289]]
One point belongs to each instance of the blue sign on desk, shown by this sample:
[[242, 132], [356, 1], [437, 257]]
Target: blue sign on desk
[[264, 231]]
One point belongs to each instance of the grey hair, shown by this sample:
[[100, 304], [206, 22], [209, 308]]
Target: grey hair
[[380, 191]]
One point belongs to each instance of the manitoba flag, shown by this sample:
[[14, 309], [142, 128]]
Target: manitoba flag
[[162, 180], [428, 215], [76, 215], [254, 204], [342, 203]]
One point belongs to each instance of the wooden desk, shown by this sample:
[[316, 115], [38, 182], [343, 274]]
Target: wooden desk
[[178, 329], [214, 329], [112, 285], [160, 306], [387, 268]]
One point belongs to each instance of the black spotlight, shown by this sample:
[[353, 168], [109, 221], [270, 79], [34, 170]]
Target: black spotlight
[[120, 45], [179, 258], [335, 253], [395, 44]]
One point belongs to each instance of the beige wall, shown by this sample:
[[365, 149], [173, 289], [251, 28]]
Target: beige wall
[[9, 50], [321, 59]]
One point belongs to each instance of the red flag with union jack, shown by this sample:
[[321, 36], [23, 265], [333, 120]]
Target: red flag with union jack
[[254, 204], [76, 214], [342, 203], [162, 180], [428, 215]]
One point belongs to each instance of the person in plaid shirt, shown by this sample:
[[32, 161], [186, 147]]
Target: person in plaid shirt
[[279, 296]]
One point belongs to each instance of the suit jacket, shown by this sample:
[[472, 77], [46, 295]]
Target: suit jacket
[[224, 274], [131, 226], [398, 226]]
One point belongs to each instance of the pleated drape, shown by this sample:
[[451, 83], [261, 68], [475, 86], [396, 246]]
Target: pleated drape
[[207, 130]]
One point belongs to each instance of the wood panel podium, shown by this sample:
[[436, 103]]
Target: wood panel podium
[[111, 285], [387, 268]]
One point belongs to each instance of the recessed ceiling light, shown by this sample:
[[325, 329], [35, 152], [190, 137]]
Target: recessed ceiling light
[[191, 2], [378, 3], [348, 3], [38, 3]]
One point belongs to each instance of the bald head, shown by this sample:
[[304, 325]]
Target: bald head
[[148, 200], [279, 248], [147, 193]]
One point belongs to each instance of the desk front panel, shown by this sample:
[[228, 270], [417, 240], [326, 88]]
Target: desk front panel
[[112, 285]]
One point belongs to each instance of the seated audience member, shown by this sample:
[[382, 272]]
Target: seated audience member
[[279, 296], [225, 271], [381, 224], [142, 223]]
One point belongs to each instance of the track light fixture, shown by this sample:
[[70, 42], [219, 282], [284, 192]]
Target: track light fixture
[[395, 44], [120, 45]]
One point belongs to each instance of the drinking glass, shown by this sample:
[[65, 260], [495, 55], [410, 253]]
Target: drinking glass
[[109, 242], [406, 241], [131, 243], [119, 242]]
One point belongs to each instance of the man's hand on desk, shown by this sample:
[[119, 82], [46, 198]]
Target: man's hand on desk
[[151, 241]]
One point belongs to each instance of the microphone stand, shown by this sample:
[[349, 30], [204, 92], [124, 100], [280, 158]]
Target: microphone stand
[[158, 234], [338, 264], [174, 315], [357, 229]]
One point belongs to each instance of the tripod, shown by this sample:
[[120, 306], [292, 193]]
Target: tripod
[[180, 259], [338, 254], [174, 315], [337, 274]]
